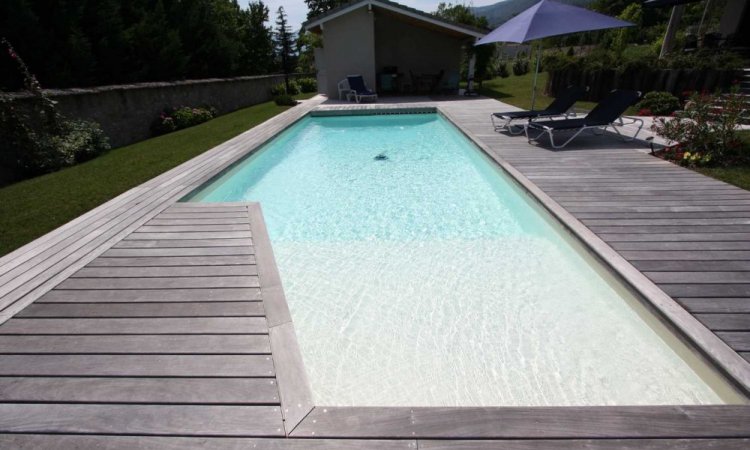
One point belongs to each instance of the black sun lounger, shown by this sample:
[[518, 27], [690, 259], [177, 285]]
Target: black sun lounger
[[559, 107], [607, 113]]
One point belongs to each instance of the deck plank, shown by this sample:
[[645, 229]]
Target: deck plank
[[78, 442], [242, 250], [184, 242], [160, 325], [180, 261], [137, 344], [166, 271], [725, 322], [150, 295], [141, 309], [160, 282], [137, 365], [588, 444], [242, 391], [186, 420]]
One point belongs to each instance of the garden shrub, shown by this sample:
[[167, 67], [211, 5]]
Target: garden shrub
[[706, 131], [280, 89], [558, 61], [308, 85], [187, 117], [636, 58], [172, 119], [658, 103], [81, 141], [520, 66], [293, 88], [705, 59], [36, 138], [285, 100], [502, 70]]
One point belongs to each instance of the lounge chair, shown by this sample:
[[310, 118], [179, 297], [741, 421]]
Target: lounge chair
[[607, 113], [449, 84], [354, 87], [559, 107]]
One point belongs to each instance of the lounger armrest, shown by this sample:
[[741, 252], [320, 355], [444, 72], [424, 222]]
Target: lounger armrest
[[532, 124]]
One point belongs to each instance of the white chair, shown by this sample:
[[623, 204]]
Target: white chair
[[344, 88], [354, 87]]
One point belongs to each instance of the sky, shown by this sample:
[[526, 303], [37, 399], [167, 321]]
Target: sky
[[297, 10]]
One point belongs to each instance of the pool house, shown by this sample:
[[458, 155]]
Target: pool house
[[395, 48]]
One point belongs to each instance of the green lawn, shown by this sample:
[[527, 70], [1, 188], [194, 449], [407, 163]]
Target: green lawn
[[516, 91], [739, 175], [33, 207]]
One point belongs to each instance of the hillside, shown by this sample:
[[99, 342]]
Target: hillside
[[506, 9]]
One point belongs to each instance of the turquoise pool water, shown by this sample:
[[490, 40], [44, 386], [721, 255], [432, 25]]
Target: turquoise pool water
[[426, 277]]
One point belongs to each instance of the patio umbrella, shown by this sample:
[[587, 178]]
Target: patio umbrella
[[549, 18]]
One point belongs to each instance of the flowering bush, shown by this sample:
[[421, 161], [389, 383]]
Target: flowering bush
[[705, 132], [172, 119], [36, 138], [657, 103]]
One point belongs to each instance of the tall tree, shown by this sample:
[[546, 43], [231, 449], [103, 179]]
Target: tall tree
[[284, 43], [461, 13], [94, 42], [155, 50], [210, 31], [318, 7], [258, 40]]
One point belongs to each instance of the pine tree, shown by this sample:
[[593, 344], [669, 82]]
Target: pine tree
[[284, 43]]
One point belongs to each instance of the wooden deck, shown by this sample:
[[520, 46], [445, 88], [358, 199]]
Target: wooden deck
[[164, 333], [149, 324]]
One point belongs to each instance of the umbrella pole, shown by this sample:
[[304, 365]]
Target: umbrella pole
[[536, 74]]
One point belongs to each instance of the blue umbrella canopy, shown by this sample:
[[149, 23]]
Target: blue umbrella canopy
[[549, 18]]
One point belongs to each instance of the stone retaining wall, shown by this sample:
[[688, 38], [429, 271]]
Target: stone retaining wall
[[126, 112]]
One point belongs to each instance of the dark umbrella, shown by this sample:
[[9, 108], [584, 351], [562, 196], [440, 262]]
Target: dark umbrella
[[549, 18]]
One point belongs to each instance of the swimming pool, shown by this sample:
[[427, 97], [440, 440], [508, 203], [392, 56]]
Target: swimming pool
[[418, 274]]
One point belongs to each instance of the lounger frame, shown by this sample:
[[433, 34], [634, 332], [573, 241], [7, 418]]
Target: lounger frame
[[345, 89], [506, 124], [549, 131]]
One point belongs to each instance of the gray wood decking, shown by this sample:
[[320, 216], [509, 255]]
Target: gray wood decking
[[148, 324], [136, 343]]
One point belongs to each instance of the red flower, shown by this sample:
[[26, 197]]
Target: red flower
[[645, 112]]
